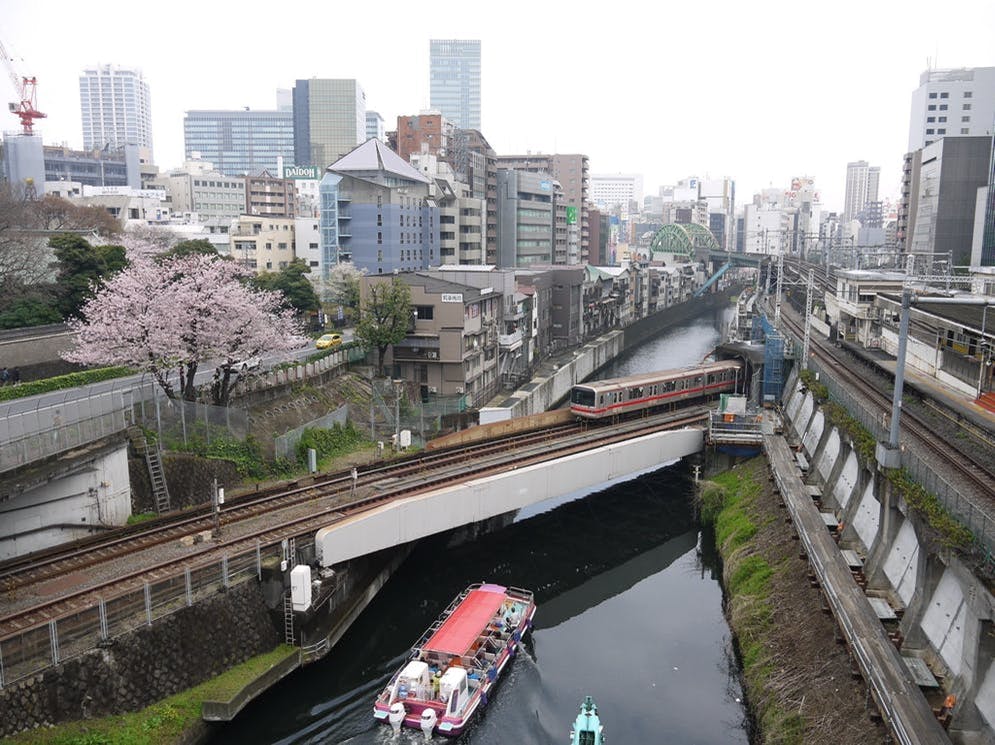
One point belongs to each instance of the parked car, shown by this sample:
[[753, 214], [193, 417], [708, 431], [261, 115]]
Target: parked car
[[328, 340]]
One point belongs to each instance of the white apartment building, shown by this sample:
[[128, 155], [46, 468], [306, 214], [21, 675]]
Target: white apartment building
[[862, 183], [307, 243], [115, 107], [263, 244], [949, 102], [199, 192], [617, 190]]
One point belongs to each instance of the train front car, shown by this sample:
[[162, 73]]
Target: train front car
[[583, 402]]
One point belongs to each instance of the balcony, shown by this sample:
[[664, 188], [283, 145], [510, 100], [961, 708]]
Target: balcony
[[510, 342]]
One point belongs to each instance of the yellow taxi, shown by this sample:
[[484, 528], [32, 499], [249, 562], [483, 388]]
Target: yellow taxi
[[328, 340]]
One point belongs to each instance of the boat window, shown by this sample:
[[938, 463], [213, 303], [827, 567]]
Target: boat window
[[582, 396]]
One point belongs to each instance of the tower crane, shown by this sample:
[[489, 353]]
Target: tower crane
[[27, 108]]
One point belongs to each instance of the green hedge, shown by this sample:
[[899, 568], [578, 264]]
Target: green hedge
[[60, 382]]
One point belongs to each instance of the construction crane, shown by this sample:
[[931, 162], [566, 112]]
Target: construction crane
[[27, 108]]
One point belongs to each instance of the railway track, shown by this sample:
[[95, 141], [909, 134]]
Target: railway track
[[969, 466], [446, 467], [72, 557]]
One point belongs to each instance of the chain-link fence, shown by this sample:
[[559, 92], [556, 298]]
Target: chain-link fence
[[971, 515], [181, 423], [285, 445], [397, 406]]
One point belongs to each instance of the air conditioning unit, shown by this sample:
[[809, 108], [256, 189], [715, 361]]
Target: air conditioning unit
[[432, 355], [433, 389], [460, 389]]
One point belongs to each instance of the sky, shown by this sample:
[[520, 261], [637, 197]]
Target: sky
[[757, 92]]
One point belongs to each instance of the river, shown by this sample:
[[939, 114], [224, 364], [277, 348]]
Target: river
[[629, 611]]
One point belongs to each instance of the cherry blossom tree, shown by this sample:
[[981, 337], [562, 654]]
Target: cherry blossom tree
[[179, 315]]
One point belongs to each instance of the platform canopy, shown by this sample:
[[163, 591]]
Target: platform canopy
[[465, 624]]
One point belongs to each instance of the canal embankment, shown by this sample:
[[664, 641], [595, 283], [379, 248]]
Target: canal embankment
[[798, 678]]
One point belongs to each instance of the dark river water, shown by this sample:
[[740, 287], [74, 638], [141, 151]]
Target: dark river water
[[629, 611]]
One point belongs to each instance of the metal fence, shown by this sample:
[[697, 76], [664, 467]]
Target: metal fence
[[181, 423], [33, 650], [973, 517], [285, 445]]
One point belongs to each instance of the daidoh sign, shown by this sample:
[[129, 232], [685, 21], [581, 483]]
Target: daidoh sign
[[301, 172]]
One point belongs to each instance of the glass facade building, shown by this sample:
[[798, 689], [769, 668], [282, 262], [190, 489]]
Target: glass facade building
[[115, 108], [240, 142], [329, 120], [454, 81]]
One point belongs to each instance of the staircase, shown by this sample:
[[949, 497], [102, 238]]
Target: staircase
[[153, 461], [987, 401]]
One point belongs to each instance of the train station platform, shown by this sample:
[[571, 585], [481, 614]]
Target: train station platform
[[894, 687], [964, 405]]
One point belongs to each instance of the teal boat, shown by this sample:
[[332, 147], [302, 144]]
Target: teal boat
[[587, 729]]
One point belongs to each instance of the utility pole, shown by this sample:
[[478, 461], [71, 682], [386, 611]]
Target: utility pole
[[808, 318], [780, 284]]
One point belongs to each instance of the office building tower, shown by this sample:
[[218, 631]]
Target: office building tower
[[952, 102], [572, 172], [115, 108], [617, 191], [329, 120], [454, 81], [241, 141], [525, 219], [375, 127], [862, 183]]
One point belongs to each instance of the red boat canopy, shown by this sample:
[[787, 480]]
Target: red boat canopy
[[466, 623]]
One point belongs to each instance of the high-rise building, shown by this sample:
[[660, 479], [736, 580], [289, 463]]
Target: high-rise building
[[947, 176], [115, 106], [329, 120], [609, 191], [862, 183], [454, 80], [428, 132], [375, 126], [240, 141], [525, 219], [573, 174], [948, 102]]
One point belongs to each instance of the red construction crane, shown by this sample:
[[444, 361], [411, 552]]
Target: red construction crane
[[27, 109]]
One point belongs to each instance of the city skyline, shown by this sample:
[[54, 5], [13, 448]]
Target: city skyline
[[752, 99]]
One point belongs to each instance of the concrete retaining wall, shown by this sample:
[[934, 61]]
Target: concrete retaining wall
[[949, 612], [175, 653]]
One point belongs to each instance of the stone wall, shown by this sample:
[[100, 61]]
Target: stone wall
[[177, 652], [189, 477]]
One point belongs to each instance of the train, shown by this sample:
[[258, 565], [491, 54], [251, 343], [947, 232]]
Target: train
[[605, 399]]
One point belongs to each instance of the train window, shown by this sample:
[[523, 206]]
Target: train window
[[582, 396], [635, 393], [711, 379], [669, 386]]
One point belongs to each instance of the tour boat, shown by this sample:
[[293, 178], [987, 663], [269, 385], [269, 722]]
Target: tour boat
[[587, 728], [452, 670]]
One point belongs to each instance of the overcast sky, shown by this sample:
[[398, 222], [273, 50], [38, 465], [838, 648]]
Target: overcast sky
[[759, 92]]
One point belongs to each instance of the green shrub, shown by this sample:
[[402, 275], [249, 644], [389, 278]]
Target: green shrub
[[60, 382], [328, 443]]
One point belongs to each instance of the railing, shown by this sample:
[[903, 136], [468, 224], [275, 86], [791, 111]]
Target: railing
[[38, 427], [30, 651]]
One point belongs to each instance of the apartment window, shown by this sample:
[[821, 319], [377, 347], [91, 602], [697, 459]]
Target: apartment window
[[930, 119], [943, 106], [965, 118], [269, 246], [930, 131], [281, 246], [967, 107], [379, 237], [965, 130], [944, 95], [269, 264], [941, 131], [379, 221], [967, 94], [313, 246], [942, 119], [932, 95], [931, 107], [379, 201], [424, 312]]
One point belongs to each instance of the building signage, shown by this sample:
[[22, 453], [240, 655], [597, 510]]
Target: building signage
[[452, 297], [301, 172], [571, 215]]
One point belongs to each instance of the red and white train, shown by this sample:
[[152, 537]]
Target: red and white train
[[609, 398]]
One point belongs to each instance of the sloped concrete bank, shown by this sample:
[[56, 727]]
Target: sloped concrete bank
[[943, 613]]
